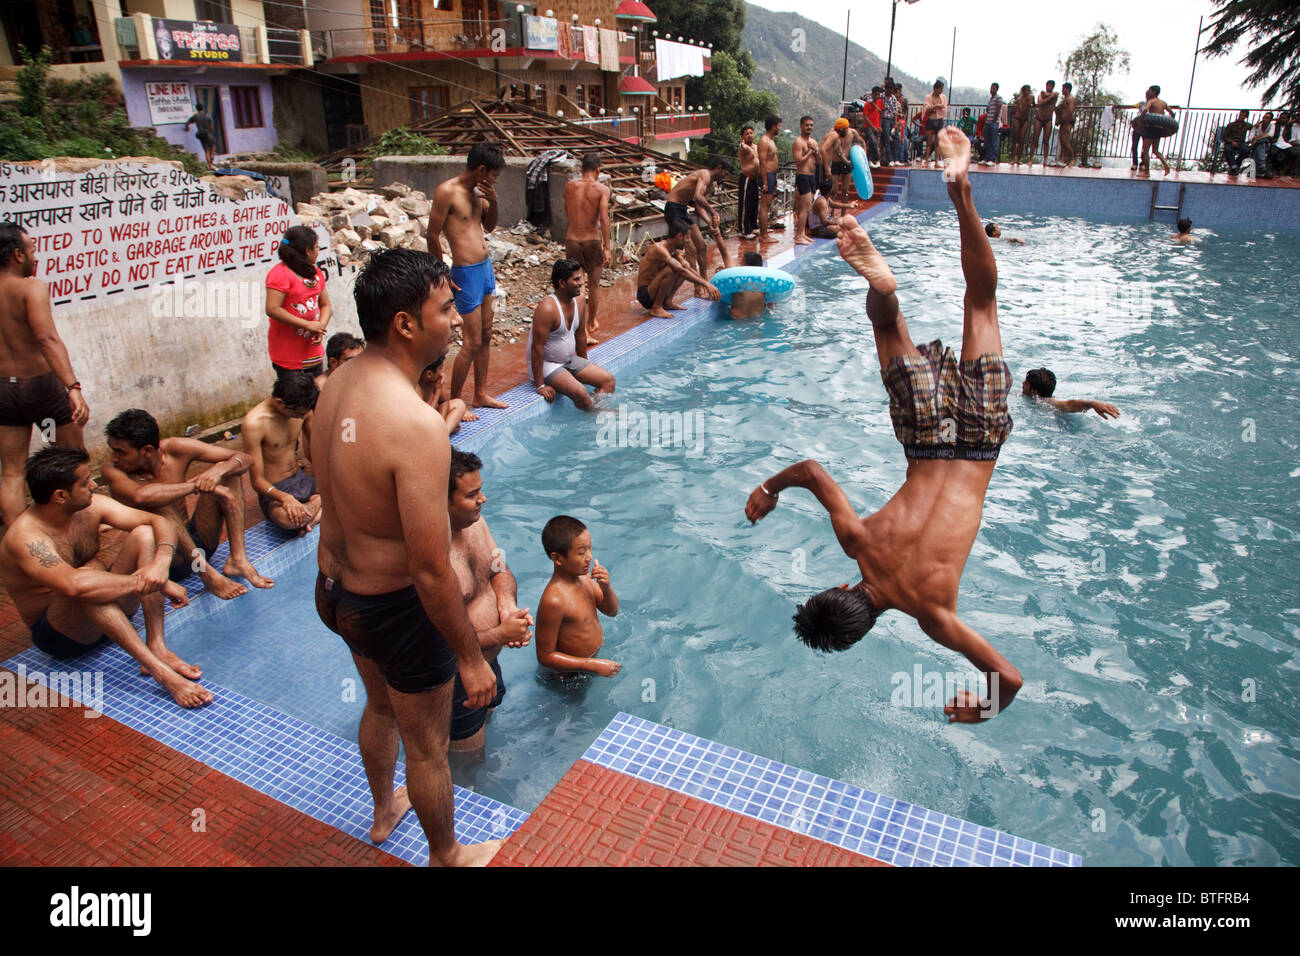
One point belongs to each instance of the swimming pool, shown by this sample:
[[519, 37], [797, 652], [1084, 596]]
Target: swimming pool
[[1137, 572]]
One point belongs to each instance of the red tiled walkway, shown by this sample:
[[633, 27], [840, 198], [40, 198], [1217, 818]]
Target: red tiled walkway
[[599, 817]]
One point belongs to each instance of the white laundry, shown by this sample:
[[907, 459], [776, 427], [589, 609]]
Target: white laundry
[[591, 44], [1107, 119], [678, 59], [609, 50]]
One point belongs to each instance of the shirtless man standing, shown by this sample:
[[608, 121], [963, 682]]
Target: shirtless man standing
[[835, 151], [586, 203], [285, 491], [386, 583], [1021, 108], [951, 420], [807, 159], [489, 590], [149, 473], [694, 190], [1156, 106], [935, 112], [37, 386], [68, 599], [1065, 124], [466, 207], [769, 164], [1043, 121], [751, 184], [663, 268]]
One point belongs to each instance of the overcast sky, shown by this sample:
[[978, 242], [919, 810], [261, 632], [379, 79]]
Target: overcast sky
[[1021, 41]]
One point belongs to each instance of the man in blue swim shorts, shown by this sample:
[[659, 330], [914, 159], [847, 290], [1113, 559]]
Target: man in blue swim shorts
[[951, 418], [466, 207]]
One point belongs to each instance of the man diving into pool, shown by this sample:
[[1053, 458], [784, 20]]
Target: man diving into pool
[[951, 419]]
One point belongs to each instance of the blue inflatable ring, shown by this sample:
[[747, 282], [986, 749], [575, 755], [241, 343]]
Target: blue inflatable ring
[[1158, 125], [862, 180], [775, 285]]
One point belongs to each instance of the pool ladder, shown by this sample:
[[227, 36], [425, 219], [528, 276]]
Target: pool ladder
[[1176, 210]]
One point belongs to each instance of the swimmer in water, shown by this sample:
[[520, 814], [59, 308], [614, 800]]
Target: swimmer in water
[[1184, 233], [994, 231], [1039, 385], [568, 631], [951, 418]]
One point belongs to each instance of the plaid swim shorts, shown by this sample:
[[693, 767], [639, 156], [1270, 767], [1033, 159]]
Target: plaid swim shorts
[[942, 408]]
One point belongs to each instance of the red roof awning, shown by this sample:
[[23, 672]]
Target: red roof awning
[[635, 10], [635, 86]]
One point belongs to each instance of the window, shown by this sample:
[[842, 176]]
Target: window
[[427, 100], [217, 11], [247, 104]]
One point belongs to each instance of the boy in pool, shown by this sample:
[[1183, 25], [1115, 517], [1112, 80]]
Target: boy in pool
[[568, 630], [951, 418], [745, 305], [1039, 385]]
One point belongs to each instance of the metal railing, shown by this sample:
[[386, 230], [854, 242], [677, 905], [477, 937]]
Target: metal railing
[[1195, 144], [284, 46], [416, 36], [624, 127]]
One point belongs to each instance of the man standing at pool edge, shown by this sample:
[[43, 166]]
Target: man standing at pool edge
[[386, 583], [951, 420]]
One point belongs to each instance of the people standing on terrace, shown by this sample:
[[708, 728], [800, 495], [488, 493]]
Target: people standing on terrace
[[935, 113], [835, 152], [1043, 121], [1136, 125], [466, 207], [1065, 124], [992, 134], [37, 385], [1155, 106], [69, 600], [587, 239], [889, 122], [1022, 108], [807, 162], [951, 418], [769, 165], [151, 473], [297, 305], [751, 184], [871, 126], [387, 585]]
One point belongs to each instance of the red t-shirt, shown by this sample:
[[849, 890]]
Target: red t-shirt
[[291, 347], [872, 113]]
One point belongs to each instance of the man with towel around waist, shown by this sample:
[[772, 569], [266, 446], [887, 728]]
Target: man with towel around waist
[[951, 418], [557, 342]]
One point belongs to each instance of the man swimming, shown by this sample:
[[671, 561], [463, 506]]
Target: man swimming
[[587, 240], [37, 386], [749, 304], [951, 419], [994, 231], [490, 594], [1040, 383], [73, 603], [386, 583], [151, 473], [466, 206], [1184, 233], [557, 342]]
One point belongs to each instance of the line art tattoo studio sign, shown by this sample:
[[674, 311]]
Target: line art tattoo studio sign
[[125, 226], [192, 42]]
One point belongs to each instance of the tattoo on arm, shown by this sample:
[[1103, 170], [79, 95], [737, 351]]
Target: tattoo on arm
[[41, 552]]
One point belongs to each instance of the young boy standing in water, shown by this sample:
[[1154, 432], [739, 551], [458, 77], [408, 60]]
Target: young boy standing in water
[[568, 631]]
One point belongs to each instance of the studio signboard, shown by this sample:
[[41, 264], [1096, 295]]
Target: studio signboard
[[189, 42]]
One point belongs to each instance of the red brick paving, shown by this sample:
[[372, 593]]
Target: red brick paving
[[599, 817]]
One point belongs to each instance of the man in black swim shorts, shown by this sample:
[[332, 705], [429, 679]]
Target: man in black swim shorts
[[386, 586], [951, 418], [693, 191], [807, 165], [37, 386]]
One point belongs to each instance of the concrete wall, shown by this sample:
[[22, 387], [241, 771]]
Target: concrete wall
[[426, 173], [305, 179]]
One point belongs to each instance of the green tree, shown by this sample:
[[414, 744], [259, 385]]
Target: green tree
[[1089, 66], [33, 82], [733, 103], [1273, 27], [720, 22]]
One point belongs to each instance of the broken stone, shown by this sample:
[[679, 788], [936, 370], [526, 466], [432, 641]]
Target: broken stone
[[395, 190], [415, 207], [315, 212], [418, 244], [348, 237], [370, 245], [362, 232], [339, 220], [392, 236]]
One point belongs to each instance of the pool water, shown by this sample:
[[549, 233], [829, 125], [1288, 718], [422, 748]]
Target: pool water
[[1140, 573]]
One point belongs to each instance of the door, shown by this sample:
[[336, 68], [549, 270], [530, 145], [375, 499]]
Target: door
[[210, 97]]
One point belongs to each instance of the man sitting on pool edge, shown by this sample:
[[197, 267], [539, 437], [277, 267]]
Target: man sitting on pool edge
[[1039, 385], [951, 420]]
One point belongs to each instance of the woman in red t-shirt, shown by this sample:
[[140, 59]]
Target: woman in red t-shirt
[[297, 305]]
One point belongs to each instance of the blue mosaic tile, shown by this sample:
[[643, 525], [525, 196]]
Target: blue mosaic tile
[[854, 818], [276, 754]]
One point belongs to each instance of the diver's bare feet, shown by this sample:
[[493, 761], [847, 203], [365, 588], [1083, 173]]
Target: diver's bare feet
[[220, 585], [661, 314], [679, 308], [192, 671], [486, 401], [802, 241], [954, 147], [184, 692], [859, 252], [244, 569], [469, 417], [386, 819], [476, 854]]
